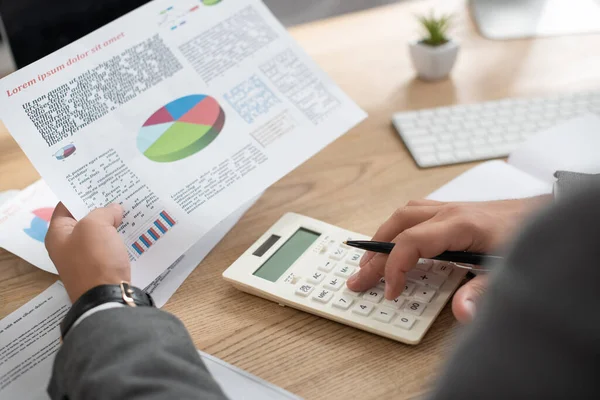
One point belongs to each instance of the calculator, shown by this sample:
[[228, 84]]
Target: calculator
[[303, 263]]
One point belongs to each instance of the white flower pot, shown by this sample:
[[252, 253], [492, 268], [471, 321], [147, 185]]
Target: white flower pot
[[433, 63]]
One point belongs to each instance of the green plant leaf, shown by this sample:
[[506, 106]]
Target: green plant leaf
[[436, 28]]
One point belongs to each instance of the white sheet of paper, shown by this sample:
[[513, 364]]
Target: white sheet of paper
[[571, 146], [182, 113], [24, 220], [30, 338], [492, 180]]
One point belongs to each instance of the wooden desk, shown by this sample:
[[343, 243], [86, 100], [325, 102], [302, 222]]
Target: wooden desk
[[366, 53]]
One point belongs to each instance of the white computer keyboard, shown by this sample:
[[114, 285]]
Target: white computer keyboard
[[462, 133], [302, 262]]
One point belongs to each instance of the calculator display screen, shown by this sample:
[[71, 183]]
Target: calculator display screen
[[287, 254]]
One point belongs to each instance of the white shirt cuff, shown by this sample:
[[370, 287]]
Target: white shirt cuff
[[105, 306]]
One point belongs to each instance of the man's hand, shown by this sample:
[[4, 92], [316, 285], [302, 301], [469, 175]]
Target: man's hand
[[425, 228], [90, 252]]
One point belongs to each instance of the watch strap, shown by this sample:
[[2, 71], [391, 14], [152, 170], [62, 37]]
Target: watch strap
[[123, 293]]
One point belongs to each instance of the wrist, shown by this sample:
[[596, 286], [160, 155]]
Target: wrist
[[123, 293]]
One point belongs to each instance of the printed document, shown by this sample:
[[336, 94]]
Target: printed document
[[181, 112], [30, 338], [24, 222]]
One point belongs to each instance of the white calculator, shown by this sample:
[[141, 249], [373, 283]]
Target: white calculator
[[302, 263]]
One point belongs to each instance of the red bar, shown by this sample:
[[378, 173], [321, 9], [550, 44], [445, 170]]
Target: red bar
[[168, 217], [194, 8], [137, 246], [161, 225], [154, 231], [146, 239]]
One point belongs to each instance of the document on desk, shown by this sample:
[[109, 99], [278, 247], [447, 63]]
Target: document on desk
[[24, 221], [30, 338], [181, 112], [570, 146]]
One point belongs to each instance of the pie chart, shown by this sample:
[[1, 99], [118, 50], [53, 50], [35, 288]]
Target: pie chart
[[181, 128]]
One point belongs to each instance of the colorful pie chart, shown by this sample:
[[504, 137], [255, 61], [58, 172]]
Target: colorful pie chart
[[181, 128]]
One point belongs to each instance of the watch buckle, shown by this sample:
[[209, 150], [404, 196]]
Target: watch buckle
[[126, 293]]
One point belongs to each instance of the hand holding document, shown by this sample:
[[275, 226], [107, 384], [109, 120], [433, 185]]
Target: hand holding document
[[181, 114]]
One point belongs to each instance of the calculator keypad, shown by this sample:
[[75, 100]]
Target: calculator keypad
[[326, 284]]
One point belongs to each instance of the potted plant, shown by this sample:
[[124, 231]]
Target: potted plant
[[435, 54]]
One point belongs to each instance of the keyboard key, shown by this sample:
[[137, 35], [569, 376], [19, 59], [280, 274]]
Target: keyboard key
[[322, 295], [344, 271], [327, 266], [427, 160], [354, 258], [363, 308], [375, 295], [338, 253], [408, 289], [334, 284], [426, 278], [442, 269], [384, 314], [415, 307], [424, 294], [381, 284], [424, 264], [343, 301], [304, 289], [397, 303], [405, 321], [351, 293], [316, 277]]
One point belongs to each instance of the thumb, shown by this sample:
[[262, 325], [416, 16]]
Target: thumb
[[111, 215], [468, 297], [61, 226]]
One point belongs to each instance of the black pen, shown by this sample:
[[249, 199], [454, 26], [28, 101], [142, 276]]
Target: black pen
[[464, 257]]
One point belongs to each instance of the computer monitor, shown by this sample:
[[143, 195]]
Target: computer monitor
[[513, 19], [32, 29]]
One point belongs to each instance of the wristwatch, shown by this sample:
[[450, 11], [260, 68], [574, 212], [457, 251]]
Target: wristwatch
[[123, 293]]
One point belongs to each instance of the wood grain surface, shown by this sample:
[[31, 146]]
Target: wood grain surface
[[355, 183]]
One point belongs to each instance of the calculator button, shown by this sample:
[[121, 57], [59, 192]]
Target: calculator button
[[334, 283], [424, 294], [363, 308], [442, 269], [344, 271], [327, 266], [396, 303], [322, 295], [351, 293], [316, 277], [384, 314], [354, 258], [405, 321], [375, 295], [415, 307], [338, 254], [424, 264], [426, 278], [408, 289], [343, 301], [304, 289]]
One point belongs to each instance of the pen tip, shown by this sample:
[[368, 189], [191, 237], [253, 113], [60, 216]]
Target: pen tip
[[345, 242]]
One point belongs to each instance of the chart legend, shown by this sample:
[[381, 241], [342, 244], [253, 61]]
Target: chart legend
[[181, 128], [157, 229]]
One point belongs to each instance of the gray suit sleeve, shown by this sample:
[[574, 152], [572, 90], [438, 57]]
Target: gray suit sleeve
[[537, 335], [131, 353]]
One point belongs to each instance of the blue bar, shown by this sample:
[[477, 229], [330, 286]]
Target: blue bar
[[136, 249], [152, 235], [162, 214], [147, 243], [159, 227]]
